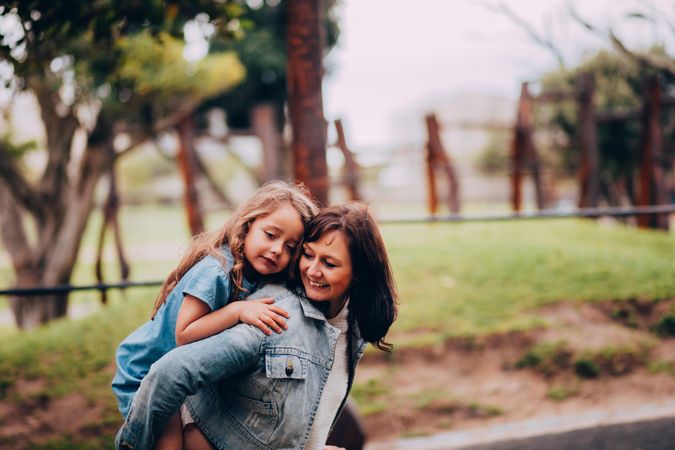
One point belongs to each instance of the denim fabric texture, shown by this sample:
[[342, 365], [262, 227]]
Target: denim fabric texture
[[246, 390], [208, 281]]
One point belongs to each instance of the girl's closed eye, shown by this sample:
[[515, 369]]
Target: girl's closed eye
[[270, 235]]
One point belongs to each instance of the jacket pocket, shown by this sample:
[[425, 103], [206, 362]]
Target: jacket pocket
[[285, 366]]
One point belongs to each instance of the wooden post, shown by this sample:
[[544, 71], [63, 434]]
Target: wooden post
[[264, 122], [518, 151], [432, 198], [652, 189], [589, 180], [305, 49], [110, 218], [351, 170], [185, 130], [438, 157]]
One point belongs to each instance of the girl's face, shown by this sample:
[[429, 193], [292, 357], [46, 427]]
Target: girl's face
[[326, 270], [272, 239]]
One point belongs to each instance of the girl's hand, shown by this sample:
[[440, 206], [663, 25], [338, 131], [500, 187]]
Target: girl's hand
[[262, 313]]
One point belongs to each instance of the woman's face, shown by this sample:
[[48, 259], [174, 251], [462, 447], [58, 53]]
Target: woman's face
[[326, 269]]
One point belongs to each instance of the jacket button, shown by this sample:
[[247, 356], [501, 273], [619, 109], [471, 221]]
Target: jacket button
[[289, 367]]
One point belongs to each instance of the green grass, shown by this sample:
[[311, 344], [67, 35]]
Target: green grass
[[486, 277]]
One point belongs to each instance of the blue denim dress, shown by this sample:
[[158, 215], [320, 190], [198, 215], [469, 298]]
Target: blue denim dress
[[208, 281], [253, 391]]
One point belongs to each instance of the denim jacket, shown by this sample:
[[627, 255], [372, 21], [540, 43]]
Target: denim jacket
[[252, 390]]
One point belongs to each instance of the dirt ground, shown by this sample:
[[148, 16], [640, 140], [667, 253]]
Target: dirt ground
[[464, 384], [476, 383]]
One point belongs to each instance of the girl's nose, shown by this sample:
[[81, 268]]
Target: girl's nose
[[276, 247]]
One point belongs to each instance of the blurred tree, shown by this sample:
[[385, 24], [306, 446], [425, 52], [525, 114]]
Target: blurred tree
[[106, 68], [257, 104], [619, 95]]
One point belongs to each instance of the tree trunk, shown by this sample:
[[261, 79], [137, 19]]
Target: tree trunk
[[186, 163], [60, 216], [305, 70]]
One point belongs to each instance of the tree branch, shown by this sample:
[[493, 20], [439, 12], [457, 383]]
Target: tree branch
[[18, 186], [648, 59], [173, 119], [60, 132], [503, 9], [12, 231]]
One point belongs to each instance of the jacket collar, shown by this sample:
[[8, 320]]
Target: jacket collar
[[310, 310]]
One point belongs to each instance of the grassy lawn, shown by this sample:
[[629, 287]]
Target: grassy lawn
[[453, 279], [459, 279]]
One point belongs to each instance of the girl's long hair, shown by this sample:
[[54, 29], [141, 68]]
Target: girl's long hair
[[372, 293], [264, 201]]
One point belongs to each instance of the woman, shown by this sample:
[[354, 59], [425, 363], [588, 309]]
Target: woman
[[285, 390]]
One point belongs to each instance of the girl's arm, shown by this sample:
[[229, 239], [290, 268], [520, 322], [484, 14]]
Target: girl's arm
[[196, 321]]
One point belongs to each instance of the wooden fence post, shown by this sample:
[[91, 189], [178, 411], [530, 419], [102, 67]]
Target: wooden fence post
[[589, 180], [518, 151], [525, 152], [438, 157], [652, 189], [351, 169]]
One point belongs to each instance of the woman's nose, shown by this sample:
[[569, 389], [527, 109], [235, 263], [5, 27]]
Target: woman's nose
[[313, 270]]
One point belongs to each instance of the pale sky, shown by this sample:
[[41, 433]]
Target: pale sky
[[394, 55]]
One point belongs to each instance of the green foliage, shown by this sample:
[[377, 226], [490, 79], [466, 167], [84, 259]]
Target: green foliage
[[155, 65], [370, 396], [563, 390], [621, 360], [548, 358], [666, 325], [667, 367], [493, 159], [553, 359], [16, 151], [586, 368]]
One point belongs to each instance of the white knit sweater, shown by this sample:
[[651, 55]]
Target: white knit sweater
[[336, 386]]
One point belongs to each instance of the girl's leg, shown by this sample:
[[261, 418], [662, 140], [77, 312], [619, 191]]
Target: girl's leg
[[194, 439], [172, 438]]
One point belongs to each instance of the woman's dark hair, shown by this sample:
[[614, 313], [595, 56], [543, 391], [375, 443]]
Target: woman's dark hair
[[372, 293]]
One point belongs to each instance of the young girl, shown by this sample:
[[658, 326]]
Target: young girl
[[197, 299]]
